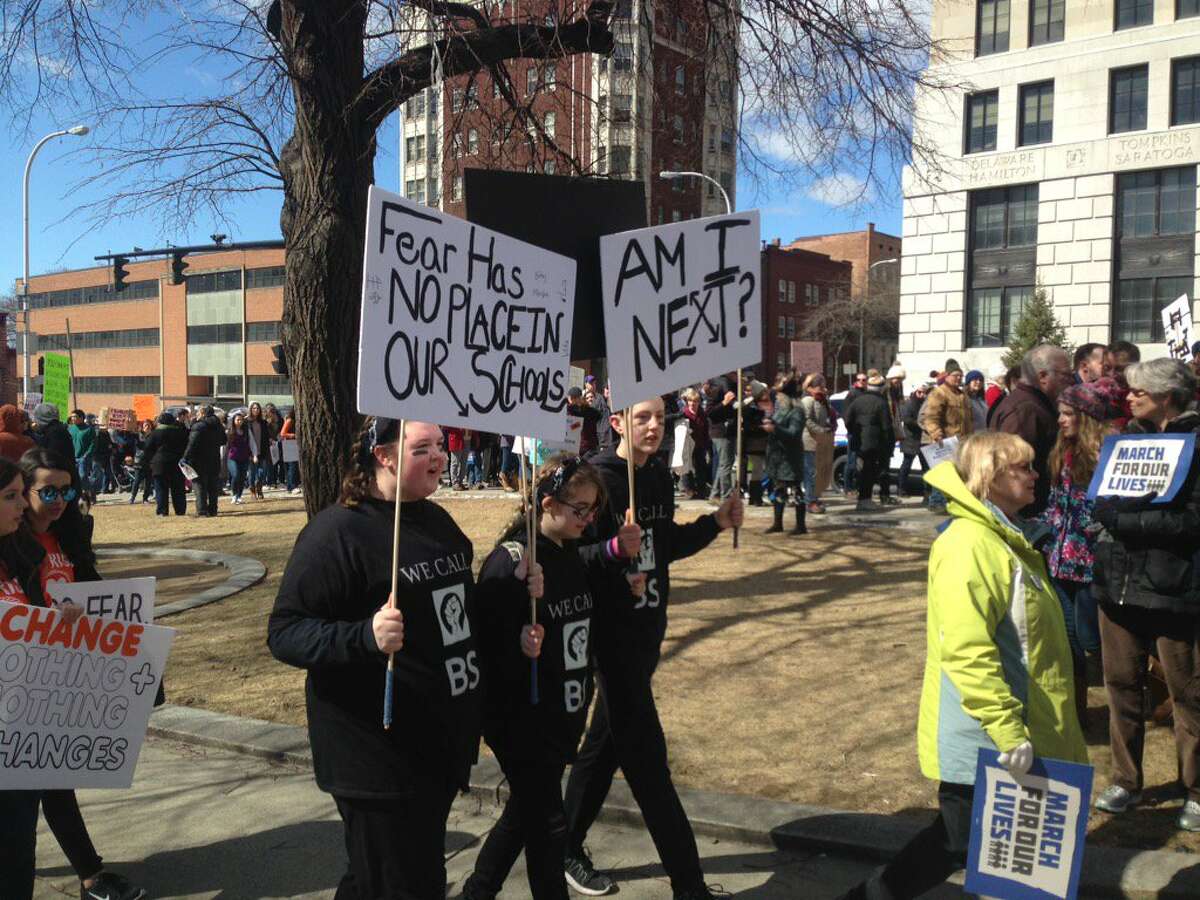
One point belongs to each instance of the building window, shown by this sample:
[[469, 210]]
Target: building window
[[550, 167], [116, 384], [456, 100], [531, 80], [619, 160], [263, 332], [1127, 99], [1156, 203], [991, 32], [472, 96], [268, 384], [622, 58], [1185, 91], [215, 334], [812, 295], [1003, 243], [211, 282], [456, 188], [726, 140], [782, 332], [1140, 301], [1046, 20], [983, 115], [726, 180], [791, 292], [270, 276], [134, 290], [622, 108], [100, 340], [677, 128], [783, 290], [548, 123], [456, 146], [473, 141], [1187, 8], [994, 313], [1037, 114], [1003, 218], [680, 81], [791, 327], [1131, 13], [229, 385], [550, 78]]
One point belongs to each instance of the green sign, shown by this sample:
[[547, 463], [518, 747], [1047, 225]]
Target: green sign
[[56, 388]]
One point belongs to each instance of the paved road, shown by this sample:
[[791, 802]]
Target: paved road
[[210, 824]]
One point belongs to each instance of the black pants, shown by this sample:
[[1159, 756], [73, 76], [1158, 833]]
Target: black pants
[[625, 732], [169, 487], [396, 847], [874, 471], [906, 468], [61, 809], [208, 488], [18, 843], [143, 480], [534, 819], [929, 858]]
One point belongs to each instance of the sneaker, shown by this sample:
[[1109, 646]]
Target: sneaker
[[583, 878], [703, 892], [108, 886], [1189, 816], [1115, 799]]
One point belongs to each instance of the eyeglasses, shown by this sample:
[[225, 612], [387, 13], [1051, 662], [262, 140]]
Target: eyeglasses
[[51, 494], [1022, 468], [582, 511], [1138, 392]]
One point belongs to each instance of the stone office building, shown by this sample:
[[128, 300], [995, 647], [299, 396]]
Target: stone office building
[[1068, 157]]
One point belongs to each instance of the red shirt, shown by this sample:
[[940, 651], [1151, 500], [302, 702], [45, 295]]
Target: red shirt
[[10, 588], [57, 566]]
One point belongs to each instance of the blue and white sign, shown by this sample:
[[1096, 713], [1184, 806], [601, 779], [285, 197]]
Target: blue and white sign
[[1027, 834], [1133, 465]]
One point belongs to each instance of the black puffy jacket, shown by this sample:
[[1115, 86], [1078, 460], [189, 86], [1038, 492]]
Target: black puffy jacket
[[1153, 559]]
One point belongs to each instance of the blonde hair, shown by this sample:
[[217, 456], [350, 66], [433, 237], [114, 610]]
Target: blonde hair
[[1084, 448], [983, 456], [691, 394]]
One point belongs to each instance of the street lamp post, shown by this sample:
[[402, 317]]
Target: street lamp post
[[862, 311], [667, 176], [78, 131]]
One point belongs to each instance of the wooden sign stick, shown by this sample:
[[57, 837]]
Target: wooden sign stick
[[737, 485], [391, 666], [533, 517]]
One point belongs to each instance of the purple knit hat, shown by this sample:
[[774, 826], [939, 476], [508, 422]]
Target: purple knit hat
[[1101, 399]]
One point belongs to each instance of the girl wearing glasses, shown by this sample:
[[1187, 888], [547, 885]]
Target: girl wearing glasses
[[535, 742]]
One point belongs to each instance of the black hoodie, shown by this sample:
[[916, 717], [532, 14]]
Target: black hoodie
[[338, 577], [549, 731], [630, 629]]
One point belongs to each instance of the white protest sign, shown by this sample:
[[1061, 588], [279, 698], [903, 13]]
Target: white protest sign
[[127, 599], [574, 435], [680, 461], [934, 454], [32, 399], [74, 698], [577, 378], [1027, 833], [682, 302], [462, 326], [276, 452], [291, 450], [1177, 328], [1133, 465]]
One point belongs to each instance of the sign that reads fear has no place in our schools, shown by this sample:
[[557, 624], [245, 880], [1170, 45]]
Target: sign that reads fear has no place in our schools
[[462, 326]]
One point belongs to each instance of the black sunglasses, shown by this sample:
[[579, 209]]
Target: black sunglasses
[[51, 494]]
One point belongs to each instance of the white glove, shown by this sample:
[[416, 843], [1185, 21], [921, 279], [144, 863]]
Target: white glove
[[1018, 759]]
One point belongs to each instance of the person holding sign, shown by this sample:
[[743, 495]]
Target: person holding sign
[[535, 742], [997, 674], [947, 415], [332, 616], [1147, 584], [629, 625]]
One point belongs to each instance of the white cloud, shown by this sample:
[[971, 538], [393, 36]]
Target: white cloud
[[839, 189]]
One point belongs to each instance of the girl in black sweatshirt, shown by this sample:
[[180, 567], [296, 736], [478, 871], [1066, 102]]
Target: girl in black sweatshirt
[[534, 743], [393, 788]]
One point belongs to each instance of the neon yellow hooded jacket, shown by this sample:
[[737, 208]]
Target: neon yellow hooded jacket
[[998, 668]]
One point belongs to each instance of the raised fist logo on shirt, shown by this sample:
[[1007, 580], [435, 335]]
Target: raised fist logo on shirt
[[575, 644], [449, 605]]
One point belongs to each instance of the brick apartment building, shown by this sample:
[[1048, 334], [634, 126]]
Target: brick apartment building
[[209, 337], [796, 283], [664, 100]]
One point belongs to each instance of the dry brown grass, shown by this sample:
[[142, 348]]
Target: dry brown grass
[[791, 670]]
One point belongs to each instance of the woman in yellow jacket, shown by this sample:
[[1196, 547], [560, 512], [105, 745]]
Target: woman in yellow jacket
[[998, 668]]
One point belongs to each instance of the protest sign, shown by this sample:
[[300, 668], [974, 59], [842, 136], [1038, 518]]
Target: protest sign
[[461, 326], [1027, 833], [32, 399], [1133, 465], [935, 454], [576, 378], [681, 461], [56, 383], [74, 698], [121, 419], [808, 356], [126, 599], [291, 450], [145, 406], [1177, 328], [682, 302]]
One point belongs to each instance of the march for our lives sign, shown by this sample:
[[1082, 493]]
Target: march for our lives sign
[[1133, 465], [1027, 833]]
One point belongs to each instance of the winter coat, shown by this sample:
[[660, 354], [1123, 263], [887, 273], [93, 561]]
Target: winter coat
[[13, 440], [699, 427], [1153, 557], [998, 664], [165, 448], [816, 421], [1069, 513], [239, 446], [948, 414], [205, 440], [1029, 414], [754, 436], [910, 416], [785, 447], [55, 437], [260, 435], [869, 420], [979, 412], [455, 440]]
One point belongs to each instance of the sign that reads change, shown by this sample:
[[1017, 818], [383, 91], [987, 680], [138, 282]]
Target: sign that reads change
[[462, 326], [1027, 834], [75, 698], [1133, 465], [682, 302]]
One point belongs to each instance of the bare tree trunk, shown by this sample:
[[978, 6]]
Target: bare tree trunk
[[327, 167]]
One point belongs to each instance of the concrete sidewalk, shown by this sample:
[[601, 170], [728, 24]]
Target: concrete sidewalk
[[207, 823]]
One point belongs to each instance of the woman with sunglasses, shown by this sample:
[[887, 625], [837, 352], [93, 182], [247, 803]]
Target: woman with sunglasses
[[62, 552], [535, 741]]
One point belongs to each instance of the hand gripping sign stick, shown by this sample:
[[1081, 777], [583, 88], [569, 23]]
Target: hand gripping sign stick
[[391, 668], [740, 461], [527, 508]]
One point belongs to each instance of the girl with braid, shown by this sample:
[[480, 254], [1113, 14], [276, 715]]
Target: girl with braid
[[393, 788], [534, 742]]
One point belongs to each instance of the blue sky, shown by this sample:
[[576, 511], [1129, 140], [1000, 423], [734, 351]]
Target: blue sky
[[59, 241]]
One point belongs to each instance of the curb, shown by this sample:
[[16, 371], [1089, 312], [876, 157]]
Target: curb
[[1107, 871], [243, 572]]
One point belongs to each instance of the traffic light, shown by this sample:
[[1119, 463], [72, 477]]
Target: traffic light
[[279, 364], [177, 268], [120, 273]]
